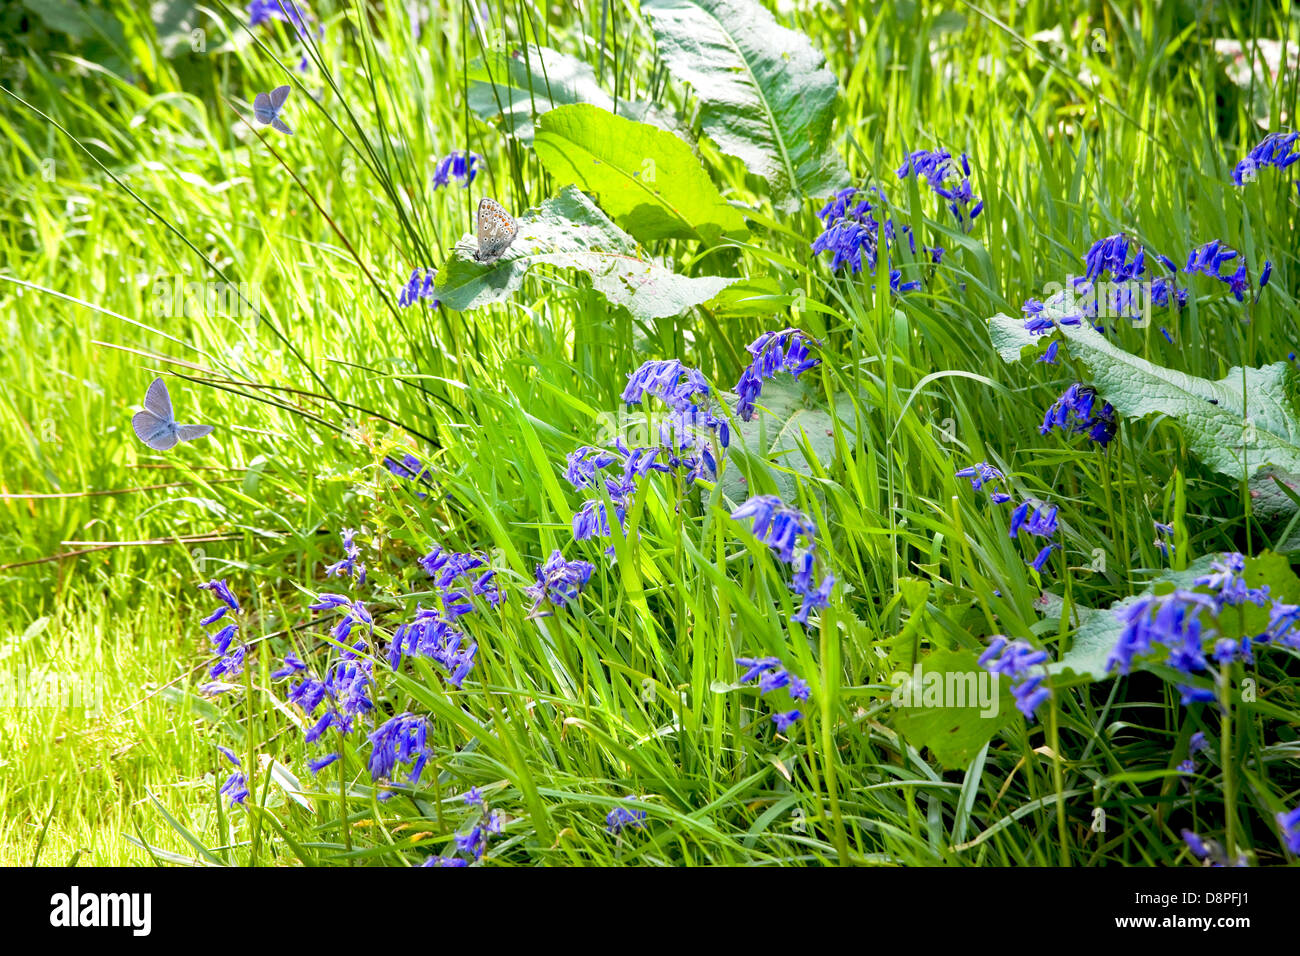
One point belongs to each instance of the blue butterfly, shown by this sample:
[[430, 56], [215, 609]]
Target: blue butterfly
[[267, 107], [156, 425]]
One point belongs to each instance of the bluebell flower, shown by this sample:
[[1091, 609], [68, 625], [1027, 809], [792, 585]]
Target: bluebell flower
[[222, 640], [1076, 412], [222, 590], [1195, 695], [215, 616], [937, 168], [470, 573], [320, 763], [1170, 620], [399, 740], [235, 789], [785, 720], [229, 755], [982, 474], [1289, 823], [473, 843], [620, 818], [1049, 356], [1040, 521], [1225, 577], [559, 581], [776, 525], [445, 861], [1273, 150], [1017, 659], [583, 463], [756, 667], [814, 598], [291, 666], [348, 567], [418, 287], [1196, 845], [1284, 625], [459, 165], [1041, 558], [473, 798], [773, 352]]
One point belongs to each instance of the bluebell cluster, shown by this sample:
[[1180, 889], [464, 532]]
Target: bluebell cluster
[[409, 469], [402, 739], [473, 843], [419, 286], [1080, 412], [1037, 520], [1274, 150], [460, 165], [1289, 823], [559, 581], [235, 789], [1210, 259], [852, 235], [348, 566], [773, 352], [1183, 622], [1017, 659], [949, 181], [690, 437], [793, 536], [772, 676], [620, 818], [982, 474], [1111, 287], [230, 650]]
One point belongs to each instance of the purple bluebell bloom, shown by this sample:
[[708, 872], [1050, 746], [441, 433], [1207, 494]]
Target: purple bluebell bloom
[[620, 818]]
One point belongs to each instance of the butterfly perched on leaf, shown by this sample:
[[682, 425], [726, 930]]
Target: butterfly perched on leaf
[[267, 107], [496, 230], [156, 425]]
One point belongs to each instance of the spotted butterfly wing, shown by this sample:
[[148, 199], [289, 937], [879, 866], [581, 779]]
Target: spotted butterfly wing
[[496, 230]]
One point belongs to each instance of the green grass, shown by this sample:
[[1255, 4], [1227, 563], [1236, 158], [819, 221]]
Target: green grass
[[110, 181]]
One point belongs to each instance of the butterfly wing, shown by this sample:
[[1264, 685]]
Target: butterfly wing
[[278, 96], [496, 230], [191, 432], [262, 108], [281, 125], [158, 401], [158, 433]]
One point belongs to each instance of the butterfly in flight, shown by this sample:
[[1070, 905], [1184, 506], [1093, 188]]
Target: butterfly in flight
[[496, 230], [156, 425], [267, 107]]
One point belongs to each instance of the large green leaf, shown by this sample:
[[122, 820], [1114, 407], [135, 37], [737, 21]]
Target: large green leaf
[[787, 419], [519, 87], [568, 231], [929, 716], [648, 180], [1224, 431], [765, 93]]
